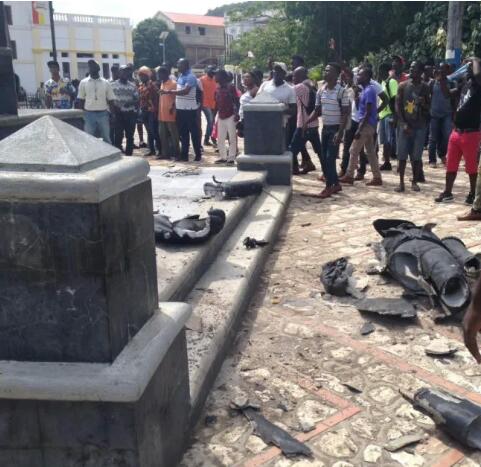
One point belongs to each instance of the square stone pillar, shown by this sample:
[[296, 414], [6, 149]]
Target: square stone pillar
[[93, 369], [265, 140], [77, 250]]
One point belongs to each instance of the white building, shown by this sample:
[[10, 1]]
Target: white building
[[79, 38]]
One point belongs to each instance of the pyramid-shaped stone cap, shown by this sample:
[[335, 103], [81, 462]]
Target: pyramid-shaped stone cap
[[264, 102], [52, 161], [51, 145]]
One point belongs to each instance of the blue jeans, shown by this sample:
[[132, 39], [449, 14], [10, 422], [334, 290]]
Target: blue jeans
[[439, 131], [299, 140], [97, 123], [329, 154], [209, 116]]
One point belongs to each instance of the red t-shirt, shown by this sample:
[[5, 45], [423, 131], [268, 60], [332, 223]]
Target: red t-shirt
[[226, 101]]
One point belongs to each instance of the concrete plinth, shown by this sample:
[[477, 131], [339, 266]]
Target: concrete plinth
[[278, 167], [133, 412]]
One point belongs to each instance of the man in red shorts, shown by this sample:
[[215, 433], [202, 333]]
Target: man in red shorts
[[466, 135]]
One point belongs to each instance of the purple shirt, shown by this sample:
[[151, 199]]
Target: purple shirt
[[368, 95]]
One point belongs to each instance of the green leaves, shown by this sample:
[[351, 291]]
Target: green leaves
[[146, 44]]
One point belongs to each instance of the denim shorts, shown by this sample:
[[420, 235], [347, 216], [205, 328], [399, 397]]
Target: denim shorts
[[411, 145], [385, 130]]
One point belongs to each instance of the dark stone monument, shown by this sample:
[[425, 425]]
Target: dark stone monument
[[93, 372], [8, 93], [265, 140]]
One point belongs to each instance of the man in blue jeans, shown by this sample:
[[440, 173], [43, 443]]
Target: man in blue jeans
[[187, 110], [442, 107], [301, 135], [412, 108], [332, 103], [96, 96]]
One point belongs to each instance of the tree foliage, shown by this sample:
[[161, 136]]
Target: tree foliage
[[146, 44], [307, 27], [425, 38]]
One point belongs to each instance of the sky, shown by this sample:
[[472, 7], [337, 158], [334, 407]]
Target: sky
[[136, 10]]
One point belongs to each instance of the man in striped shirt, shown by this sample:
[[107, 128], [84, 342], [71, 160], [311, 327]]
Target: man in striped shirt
[[332, 103], [186, 109]]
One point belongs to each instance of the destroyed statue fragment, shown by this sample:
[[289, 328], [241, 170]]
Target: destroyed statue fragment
[[335, 276], [459, 418], [427, 265], [231, 190], [250, 243], [387, 306], [272, 434], [190, 230]]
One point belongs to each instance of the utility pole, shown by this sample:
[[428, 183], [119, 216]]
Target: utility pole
[[8, 92], [52, 32], [455, 32]]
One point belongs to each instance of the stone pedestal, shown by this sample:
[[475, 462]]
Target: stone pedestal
[[93, 373], [265, 140]]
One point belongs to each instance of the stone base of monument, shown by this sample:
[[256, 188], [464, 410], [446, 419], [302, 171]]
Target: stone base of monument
[[277, 167], [132, 412], [11, 123]]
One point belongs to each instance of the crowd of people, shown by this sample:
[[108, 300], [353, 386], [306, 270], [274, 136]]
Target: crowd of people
[[404, 111]]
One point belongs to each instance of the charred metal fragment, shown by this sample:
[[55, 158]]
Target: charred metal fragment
[[189, 230], [230, 190], [460, 418]]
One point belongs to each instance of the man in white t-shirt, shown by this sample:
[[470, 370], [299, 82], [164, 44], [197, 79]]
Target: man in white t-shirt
[[278, 88], [96, 96]]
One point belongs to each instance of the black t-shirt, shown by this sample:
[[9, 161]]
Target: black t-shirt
[[468, 114]]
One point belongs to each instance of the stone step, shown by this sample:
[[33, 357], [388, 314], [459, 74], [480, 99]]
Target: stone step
[[180, 267], [223, 293]]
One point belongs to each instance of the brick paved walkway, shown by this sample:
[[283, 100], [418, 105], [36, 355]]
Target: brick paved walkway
[[296, 346]]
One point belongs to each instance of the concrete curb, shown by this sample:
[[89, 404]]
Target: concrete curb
[[255, 225]]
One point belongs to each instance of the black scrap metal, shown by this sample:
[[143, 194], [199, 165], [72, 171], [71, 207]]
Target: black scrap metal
[[189, 230], [427, 265]]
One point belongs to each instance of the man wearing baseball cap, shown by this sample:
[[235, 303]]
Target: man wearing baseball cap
[[96, 96]]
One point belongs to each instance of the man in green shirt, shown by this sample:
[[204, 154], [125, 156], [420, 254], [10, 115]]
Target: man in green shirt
[[387, 115]]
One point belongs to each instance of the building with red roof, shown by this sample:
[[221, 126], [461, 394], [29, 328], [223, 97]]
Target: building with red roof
[[203, 37]]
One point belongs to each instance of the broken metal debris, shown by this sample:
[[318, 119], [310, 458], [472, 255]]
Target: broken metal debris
[[460, 418], [388, 306], [352, 387], [439, 348], [231, 190], [250, 243], [191, 229], [272, 434], [210, 420], [335, 276], [426, 265], [408, 440], [367, 328]]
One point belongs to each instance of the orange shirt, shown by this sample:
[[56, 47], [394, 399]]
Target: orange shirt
[[210, 86], [167, 101]]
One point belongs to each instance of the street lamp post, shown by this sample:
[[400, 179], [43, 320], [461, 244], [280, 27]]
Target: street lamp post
[[163, 37]]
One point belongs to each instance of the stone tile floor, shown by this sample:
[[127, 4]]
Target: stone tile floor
[[297, 346]]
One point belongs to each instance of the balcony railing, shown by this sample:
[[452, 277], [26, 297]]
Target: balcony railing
[[89, 19]]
